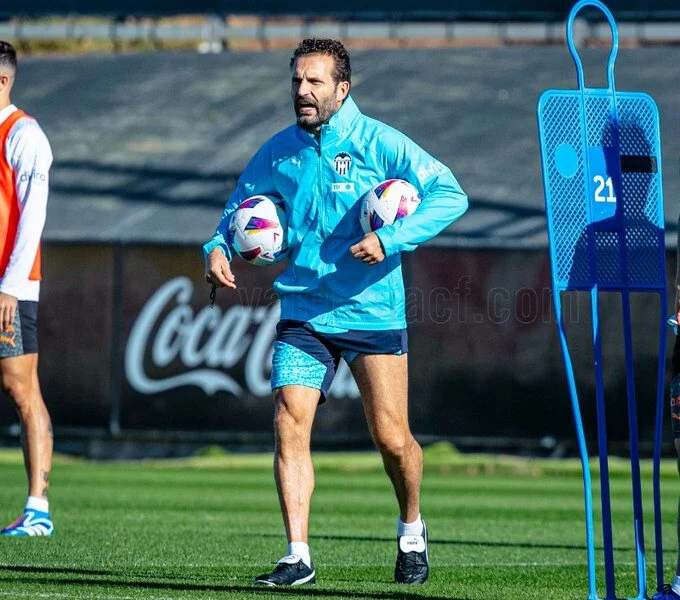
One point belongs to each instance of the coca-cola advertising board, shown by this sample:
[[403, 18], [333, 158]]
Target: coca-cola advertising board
[[188, 365]]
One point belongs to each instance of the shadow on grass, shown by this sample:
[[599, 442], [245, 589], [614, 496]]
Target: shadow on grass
[[435, 542], [112, 579]]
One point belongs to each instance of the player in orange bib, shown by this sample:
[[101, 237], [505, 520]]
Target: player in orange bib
[[25, 160]]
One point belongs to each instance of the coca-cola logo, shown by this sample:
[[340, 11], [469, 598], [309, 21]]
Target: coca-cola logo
[[208, 345]]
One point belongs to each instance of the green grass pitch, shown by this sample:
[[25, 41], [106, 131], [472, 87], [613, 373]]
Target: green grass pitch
[[500, 528]]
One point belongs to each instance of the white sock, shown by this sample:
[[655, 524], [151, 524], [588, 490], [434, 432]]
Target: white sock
[[37, 503], [675, 586], [415, 528], [302, 550]]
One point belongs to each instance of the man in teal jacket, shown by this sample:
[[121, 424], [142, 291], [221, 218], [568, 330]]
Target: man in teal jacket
[[342, 293]]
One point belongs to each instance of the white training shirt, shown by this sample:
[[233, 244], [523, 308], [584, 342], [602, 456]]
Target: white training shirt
[[28, 152]]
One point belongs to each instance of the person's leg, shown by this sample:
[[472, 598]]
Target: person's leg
[[295, 406], [676, 583], [302, 371], [672, 591], [19, 379], [383, 383]]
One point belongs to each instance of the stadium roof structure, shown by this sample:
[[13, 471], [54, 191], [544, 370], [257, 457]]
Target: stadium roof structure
[[148, 146]]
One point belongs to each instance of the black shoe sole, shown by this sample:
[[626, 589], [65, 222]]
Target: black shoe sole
[[415, 582], [303, 581]]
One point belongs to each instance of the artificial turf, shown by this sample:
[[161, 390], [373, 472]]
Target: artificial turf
[[501, 528]]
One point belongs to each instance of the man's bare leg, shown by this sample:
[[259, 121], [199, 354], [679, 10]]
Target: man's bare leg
[[295, 407], [19, 377], [383, 383]]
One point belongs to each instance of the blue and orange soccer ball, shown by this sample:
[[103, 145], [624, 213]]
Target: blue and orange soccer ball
[[258, 230]]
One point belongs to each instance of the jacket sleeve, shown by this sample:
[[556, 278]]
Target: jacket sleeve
[[255, 179], [443, 200]]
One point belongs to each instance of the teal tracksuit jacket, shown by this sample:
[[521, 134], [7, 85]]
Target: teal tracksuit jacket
[[322, 180]]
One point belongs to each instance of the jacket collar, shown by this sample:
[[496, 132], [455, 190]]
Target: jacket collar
[[343, 120], [340, 124]]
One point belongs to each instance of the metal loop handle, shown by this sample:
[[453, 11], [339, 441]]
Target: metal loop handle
[[572, 47]]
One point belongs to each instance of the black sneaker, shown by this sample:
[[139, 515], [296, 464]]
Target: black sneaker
[[290, 570], [412, 564]]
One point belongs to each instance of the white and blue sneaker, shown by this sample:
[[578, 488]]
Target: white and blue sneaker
[[32, 523]]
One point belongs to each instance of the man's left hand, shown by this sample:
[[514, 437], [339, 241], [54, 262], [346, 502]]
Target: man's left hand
[[8, 309], [369, 250]]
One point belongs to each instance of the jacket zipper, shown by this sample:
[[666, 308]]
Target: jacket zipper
[[322, 198], [323, 220]]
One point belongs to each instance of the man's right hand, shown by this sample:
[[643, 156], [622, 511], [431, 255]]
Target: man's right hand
[[217, 270], [8, 309]]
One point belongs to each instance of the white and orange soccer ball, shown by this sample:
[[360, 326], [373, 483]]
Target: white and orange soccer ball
[[388, 202], [258, 230]]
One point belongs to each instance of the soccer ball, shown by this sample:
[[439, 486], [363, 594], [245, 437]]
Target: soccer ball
[[387, 202], [257, 230]]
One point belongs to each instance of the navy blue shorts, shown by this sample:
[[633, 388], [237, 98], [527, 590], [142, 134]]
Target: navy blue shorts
[[21, 337], [306, 357]]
